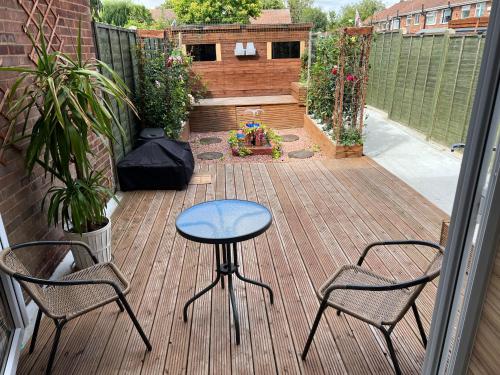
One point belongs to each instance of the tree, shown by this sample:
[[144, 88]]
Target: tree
[[273, 4], [222, 11], [316, 16], [125, 12], [95, 8], [366, 8], [297, 7]]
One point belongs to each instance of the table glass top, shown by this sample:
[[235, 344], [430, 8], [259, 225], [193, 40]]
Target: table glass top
[[223, 221]]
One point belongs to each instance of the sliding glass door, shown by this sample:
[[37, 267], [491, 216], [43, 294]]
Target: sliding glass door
[[13, 317]]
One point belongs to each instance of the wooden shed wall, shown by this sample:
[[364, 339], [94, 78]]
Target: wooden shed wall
[[247, 75]]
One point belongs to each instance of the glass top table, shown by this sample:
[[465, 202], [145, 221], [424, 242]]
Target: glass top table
[[225, 223]]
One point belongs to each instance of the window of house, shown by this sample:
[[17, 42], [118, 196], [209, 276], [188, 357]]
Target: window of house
[[408, 20], [480, 8], [202, 52], [446, 15], [396, 23], [417, 19], [466, 11], [285, 50], [430, 18]]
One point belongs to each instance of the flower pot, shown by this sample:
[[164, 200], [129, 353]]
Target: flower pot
[[99, 242]]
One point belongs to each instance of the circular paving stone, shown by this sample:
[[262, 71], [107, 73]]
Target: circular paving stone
[[210, 155], [210, 140], [301, 154], [290, 138]]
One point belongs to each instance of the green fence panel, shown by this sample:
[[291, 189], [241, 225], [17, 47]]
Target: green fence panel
[[116, 47], [426, 82]]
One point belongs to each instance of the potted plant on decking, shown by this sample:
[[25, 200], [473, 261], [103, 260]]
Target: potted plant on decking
[[73, 99]]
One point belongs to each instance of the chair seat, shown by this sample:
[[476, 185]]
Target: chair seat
[[71, 301], [374, 307]]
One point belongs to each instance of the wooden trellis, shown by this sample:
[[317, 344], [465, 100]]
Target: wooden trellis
[[354, 54], [41, 15]]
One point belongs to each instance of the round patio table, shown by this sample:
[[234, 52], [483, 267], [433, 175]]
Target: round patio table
[[225, 223]]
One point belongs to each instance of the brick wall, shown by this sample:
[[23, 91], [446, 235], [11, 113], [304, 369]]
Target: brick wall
[[456, 14], [21, 195]]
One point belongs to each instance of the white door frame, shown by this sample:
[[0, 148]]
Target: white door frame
[[470, 201], [17, 309]]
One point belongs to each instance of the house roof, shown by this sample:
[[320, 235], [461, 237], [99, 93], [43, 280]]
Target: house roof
[[272, 16], [415, 6], [162, 14], [266, 17]]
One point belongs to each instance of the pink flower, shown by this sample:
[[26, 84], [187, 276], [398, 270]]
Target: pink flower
[[335, 70], [351, 78]]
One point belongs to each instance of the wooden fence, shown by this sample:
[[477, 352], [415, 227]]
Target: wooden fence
[[426, 82], [116, 47]]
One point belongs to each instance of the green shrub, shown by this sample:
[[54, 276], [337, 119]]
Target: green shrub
[[167, 89]]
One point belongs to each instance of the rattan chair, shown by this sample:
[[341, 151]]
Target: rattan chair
[[374, 299], [72, 295]]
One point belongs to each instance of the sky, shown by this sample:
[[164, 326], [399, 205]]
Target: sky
[[324, 4]]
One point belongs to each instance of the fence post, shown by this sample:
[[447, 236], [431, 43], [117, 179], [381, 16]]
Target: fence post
[[389, 113], [435, 98]]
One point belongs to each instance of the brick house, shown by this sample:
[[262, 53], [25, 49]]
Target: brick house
[[414, 16]]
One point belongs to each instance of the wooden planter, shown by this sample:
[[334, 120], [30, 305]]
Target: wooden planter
[[299, 92], [328, 147]]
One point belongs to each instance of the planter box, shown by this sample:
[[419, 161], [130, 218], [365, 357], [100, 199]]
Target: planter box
[[299, 92], [328, 147]]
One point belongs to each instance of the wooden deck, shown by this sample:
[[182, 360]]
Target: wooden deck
[[324, 214]]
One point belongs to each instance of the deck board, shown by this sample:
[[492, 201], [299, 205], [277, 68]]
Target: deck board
[[324, 213]]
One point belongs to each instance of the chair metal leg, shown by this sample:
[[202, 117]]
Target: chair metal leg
[[387, 336], [314, 327], [419, 324], [136, 323], [59, 327], [120, 306], [35, 331]]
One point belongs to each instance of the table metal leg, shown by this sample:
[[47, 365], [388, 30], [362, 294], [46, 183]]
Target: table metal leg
[[250, 281], [205, 290], [224, 261]]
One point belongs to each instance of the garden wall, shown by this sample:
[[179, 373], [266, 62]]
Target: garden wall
[[426, 82], [233, 76], [20, 195]]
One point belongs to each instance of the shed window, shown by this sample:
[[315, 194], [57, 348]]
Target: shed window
[[285, 50], [202, 52], [417, 19]]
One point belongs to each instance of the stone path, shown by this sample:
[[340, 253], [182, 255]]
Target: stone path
[[301, 154], [210, 155]]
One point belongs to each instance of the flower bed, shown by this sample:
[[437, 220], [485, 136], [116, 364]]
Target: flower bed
[[255, 138], [328, 146]]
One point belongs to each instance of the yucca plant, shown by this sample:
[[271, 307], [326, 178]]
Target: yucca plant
[[73, 98]]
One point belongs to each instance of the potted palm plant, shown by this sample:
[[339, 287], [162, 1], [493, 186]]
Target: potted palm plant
[[73, 99]]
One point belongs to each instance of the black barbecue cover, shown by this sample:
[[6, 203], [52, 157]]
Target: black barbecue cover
[[160, 164]]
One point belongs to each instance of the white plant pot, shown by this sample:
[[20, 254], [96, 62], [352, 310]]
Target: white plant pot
[[99, 242]]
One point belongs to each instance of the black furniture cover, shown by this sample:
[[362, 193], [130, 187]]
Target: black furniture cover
[[160, 164], [149, 134]]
